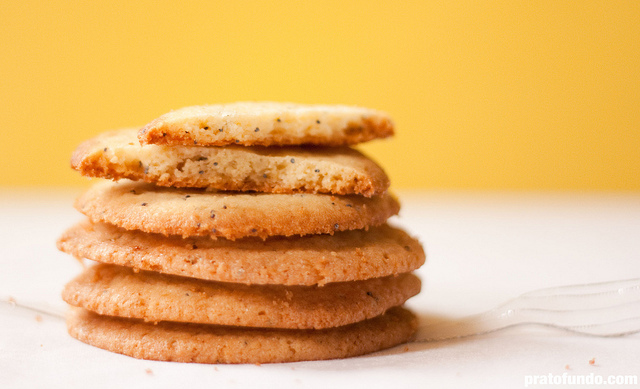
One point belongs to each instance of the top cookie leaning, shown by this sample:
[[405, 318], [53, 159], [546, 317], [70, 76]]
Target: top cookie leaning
[[267, 124]]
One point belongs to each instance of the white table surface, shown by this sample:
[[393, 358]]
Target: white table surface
[[482, 249]]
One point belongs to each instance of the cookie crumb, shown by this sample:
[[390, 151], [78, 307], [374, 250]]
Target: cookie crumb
[[149, 371], [592, 361], [39, 318], [567, 367], [11, 301]]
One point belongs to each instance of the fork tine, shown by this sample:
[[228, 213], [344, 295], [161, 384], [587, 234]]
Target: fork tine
[[620, 327], [576, 297], [609, 287], [581, 317]]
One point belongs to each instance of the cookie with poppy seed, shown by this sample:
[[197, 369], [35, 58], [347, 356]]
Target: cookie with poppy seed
[[336, 170], [119, 291], [201, 343], [308, 260], [267, 124], [193, 212]]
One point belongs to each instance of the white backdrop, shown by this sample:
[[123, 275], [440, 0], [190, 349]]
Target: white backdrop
[[482, 249]]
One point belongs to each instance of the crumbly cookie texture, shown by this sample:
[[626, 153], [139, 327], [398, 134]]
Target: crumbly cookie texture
[[340, 170], [120, 291], [267, 124], [309, 260], [192, 212], [199, 343]]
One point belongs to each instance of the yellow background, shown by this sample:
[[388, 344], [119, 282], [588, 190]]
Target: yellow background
[[485, 95]]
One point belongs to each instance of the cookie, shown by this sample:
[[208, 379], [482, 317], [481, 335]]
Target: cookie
[[340, 170], [192, 212], [267, 124], [120, 291], [309, 260], [201, 343]]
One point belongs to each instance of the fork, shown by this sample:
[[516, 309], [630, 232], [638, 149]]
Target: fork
[[601, 309]]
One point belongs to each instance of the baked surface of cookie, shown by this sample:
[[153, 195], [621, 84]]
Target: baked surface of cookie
[[199, 343], [308, 260], [337, 170], [119, 291], [267, 124], [192, 212]]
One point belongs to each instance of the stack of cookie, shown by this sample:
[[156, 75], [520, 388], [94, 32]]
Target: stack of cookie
[[241, 233]]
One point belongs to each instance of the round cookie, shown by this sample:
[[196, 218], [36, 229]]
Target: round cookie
[[340, 170], [200, 343], [119, 291], [309, 260], [192, 212], [267, 124]]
